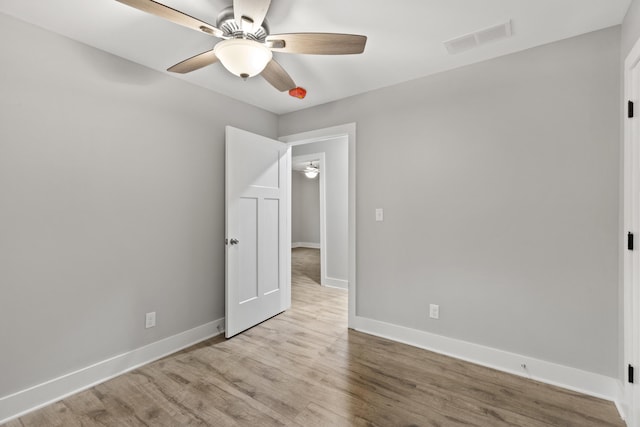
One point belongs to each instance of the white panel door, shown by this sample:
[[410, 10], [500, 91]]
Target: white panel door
[[256, 229]]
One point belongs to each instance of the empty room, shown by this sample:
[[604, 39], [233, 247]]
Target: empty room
[[331, 213]]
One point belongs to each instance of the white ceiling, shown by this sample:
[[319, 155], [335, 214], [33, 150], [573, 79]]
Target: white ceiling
[[404, 38]]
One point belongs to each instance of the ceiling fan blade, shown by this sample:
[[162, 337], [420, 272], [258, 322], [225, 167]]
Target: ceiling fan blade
[[249, 14], [173, 15], [194, 63], [317, 43], [278, 77]]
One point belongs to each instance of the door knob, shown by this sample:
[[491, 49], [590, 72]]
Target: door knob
[[234, 241]]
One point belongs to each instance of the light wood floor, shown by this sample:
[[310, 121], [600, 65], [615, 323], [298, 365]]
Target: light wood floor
[[305, 368]]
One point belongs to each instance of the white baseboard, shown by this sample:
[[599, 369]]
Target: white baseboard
[[332, 282], [32, 398], [551, 373], [305, 245], [622, 402], [24, 401]]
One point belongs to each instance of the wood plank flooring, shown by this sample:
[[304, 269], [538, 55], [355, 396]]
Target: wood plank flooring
[[305, 368]]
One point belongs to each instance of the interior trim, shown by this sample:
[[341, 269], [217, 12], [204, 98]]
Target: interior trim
[[589, 383], [22, 402]]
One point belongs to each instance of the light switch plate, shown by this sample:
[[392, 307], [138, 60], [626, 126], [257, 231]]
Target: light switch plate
[[379, 214]]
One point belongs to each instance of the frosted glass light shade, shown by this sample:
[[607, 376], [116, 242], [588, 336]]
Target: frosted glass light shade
[[244, 58], [311, 171]]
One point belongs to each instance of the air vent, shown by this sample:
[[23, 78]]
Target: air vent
[[478, 38]]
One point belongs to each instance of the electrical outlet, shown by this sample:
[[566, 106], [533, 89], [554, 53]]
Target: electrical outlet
[[434, 311], [150, 320]]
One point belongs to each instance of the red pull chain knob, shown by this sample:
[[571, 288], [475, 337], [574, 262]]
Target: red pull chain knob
[[298, 92]]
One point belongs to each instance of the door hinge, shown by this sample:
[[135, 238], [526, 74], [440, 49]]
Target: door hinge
[[630, 109], [631, 374], [630, 241]]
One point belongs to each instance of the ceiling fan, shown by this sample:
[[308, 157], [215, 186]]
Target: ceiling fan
[[311, 171], [247, 47]]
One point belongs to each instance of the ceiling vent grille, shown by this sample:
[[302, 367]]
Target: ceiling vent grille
[[478, 38]]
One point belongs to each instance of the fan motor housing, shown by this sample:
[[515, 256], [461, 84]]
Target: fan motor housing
[[227, 23]]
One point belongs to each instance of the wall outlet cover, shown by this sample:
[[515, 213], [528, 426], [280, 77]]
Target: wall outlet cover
[[434, 311], [150, 320]]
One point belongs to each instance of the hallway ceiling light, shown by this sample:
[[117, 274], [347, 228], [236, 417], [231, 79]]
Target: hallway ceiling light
[[311, 171]]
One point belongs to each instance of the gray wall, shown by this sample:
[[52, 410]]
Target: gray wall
[[336, 170], [305, 209], [111, 204], [630, 28], [500, 188]]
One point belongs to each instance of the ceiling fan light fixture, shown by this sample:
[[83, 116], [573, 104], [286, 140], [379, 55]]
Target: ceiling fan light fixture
[[247, 42], [311, 171], [311, 174], [242, 57]]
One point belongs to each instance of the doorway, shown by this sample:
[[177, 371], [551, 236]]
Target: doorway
[[348, 136], [308, 218]]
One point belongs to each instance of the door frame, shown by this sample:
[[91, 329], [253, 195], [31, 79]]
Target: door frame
[[348, 130], [321, 158], [631, 223]]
